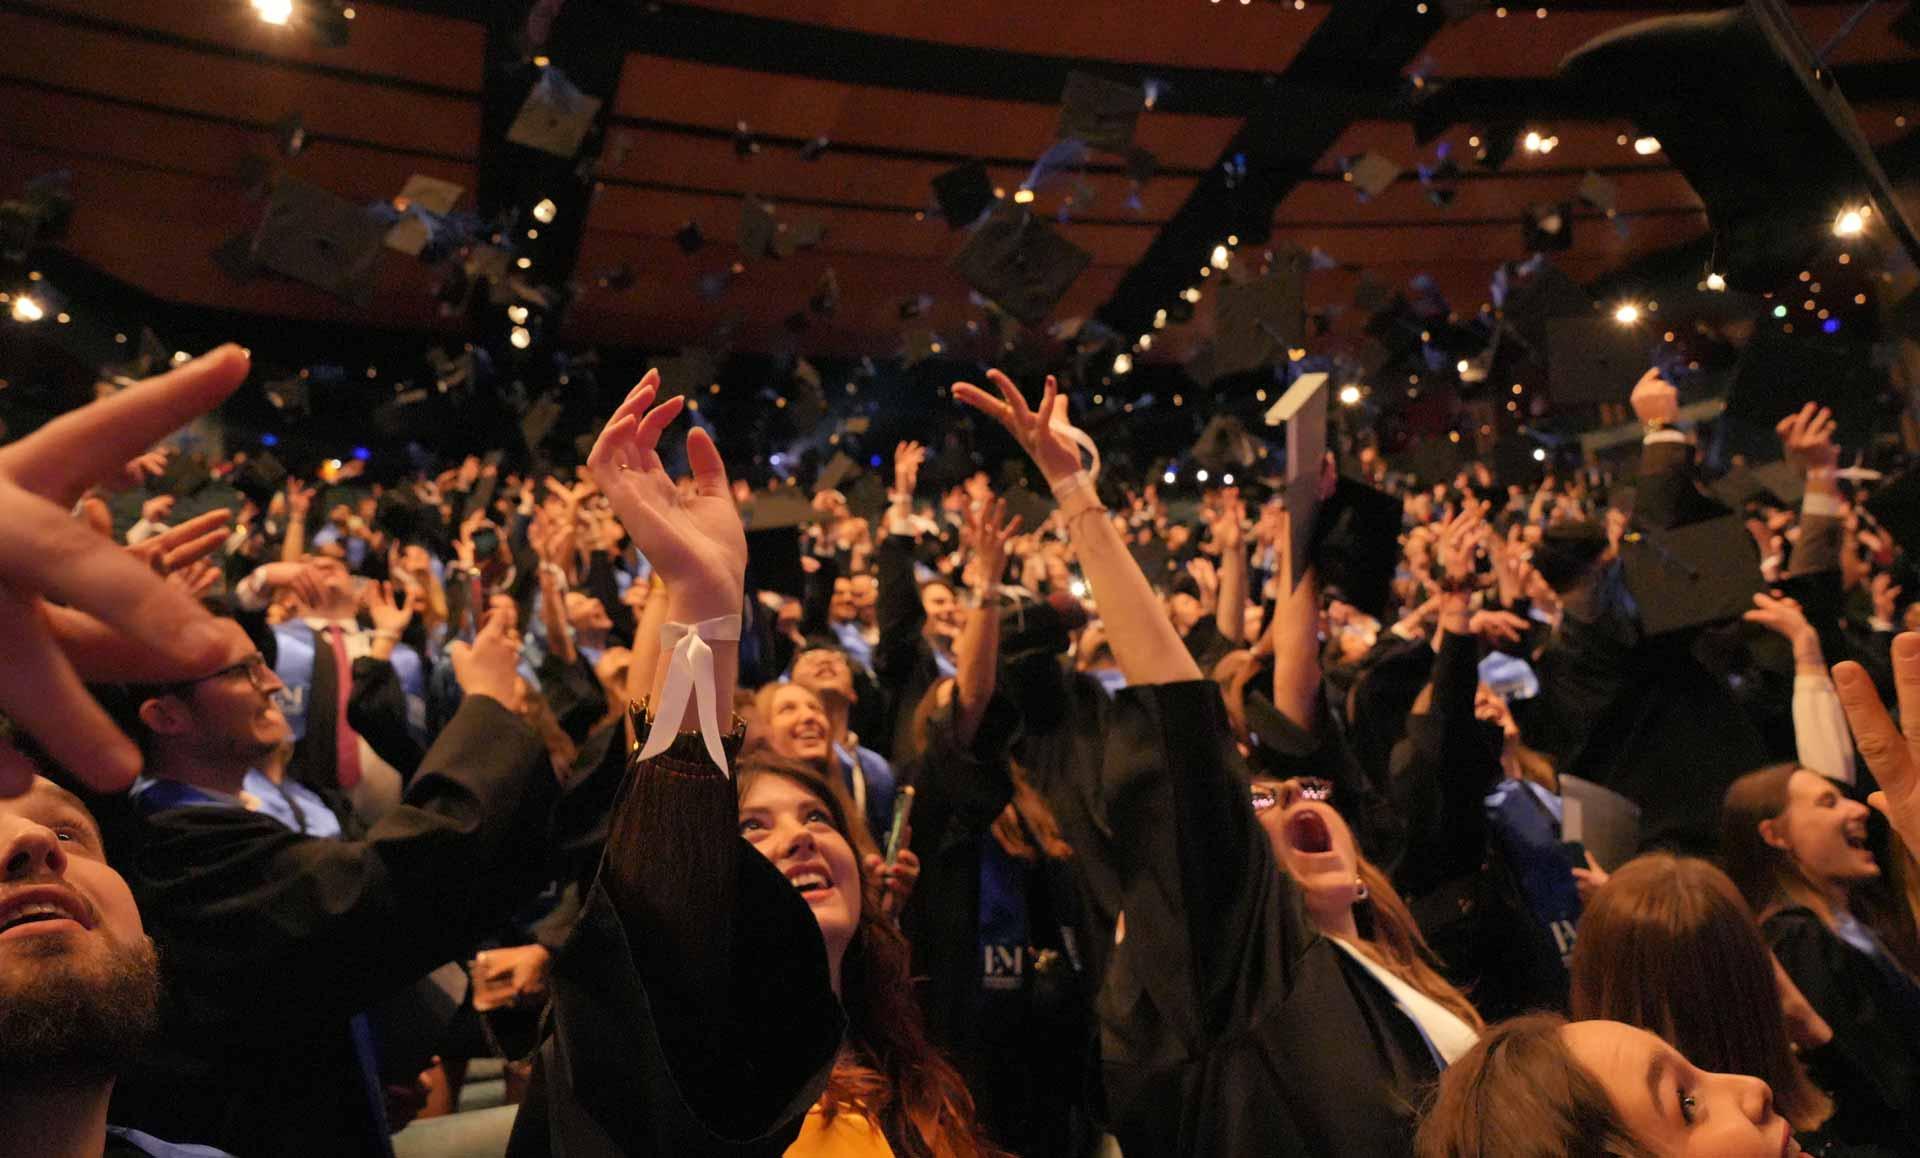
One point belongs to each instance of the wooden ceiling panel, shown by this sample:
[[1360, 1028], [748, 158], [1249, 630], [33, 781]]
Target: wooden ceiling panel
[[159, 233], [1505, 196], [71, 126], [850, 232], [1595, 240], [709, 163], [684, 92], [1261, 37], [1583, 145], [665, 304], [46, 52], [1522, 44], [385, 41]]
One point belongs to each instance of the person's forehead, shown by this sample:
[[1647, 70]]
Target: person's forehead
[[772, 790], [46, 797]]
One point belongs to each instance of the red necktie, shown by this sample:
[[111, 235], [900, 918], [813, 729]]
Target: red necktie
[[346, 742]]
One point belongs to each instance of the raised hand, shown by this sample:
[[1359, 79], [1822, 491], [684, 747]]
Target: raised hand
[[299, 498], [139, 469], [390, 612], [693, 537], [188, 543], [1807, 438], [1783, 617], [908, 458], [1654, 399], [1886, 597], [989, 530], [157, 508], [302, 579], [1035, 429], [489, 666], [147, 624], [1893, 756]]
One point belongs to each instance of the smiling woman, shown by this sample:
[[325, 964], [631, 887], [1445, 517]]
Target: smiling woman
[[1797, 847]]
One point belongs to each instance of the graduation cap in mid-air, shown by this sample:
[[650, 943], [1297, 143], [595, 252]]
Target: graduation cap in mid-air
[[964, 192], [1099, 112], [316, 237], [1020, 263]]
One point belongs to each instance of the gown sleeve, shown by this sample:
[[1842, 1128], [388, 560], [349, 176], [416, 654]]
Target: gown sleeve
[[1212, 929], [692, 1012]]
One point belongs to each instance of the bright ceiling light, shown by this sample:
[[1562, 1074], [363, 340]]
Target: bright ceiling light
[[1627, 314]]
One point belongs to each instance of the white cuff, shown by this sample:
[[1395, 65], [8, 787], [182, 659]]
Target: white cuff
[[1820, 503], [690, 674], [1665, 434]]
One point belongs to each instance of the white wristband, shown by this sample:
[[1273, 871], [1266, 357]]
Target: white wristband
[[1073, 484], [690, 674]]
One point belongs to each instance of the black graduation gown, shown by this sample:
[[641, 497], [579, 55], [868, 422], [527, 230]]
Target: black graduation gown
[[1872, 1065], [692, 1015], [904, 661], [271, 941], [1228, 1024]]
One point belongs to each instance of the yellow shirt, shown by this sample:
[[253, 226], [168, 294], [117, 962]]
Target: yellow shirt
[[849, 1135]]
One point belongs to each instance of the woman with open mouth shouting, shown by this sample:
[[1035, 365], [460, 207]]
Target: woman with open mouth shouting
[[1266, 992]]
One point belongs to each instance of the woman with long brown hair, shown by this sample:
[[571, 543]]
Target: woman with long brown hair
[[1797, 847], [890, 1092], [725, 994], [1669, 945]]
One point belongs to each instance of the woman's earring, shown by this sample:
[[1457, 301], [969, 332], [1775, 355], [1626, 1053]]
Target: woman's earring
[[1363, 892]]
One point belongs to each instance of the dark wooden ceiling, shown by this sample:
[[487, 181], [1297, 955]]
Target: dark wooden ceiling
[[155, 106]]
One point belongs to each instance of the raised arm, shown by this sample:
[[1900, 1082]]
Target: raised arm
[[978, 651], [1819, 722], [1150, 651], [1229, 534]]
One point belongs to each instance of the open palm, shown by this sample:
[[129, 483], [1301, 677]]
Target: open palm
[[692, 536], [1036, 429]]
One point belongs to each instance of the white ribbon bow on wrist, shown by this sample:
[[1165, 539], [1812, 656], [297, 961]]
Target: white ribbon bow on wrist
[[690, 673], [1067, 430]]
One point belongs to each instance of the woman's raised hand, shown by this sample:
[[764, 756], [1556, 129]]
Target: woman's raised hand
[[1037, 430], [691, 536]]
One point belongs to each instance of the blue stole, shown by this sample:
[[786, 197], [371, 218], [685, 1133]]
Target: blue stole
[[296, 644]]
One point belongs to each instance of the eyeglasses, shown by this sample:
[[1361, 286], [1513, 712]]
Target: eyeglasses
[[1298, 788], [258, 672]]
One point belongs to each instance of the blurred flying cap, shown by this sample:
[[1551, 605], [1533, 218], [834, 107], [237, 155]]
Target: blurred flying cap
[[555, 117], [1020, 263], [1100, 112], [1593, 360], [1372, 173], [290, 135], [919, 345], [1141, 165], [964, 193], [261, 478], [1356, 546], [778, 507], [1692, 576], [1547, 228], [1701, 83], [234, 257], [409, 234], [1032, 506], [915, 306], [867, 497], [689, 238], [1256, 322], [326, 241], [757, 227], [1304, 409], [839, 472], [1603, 193], [812, 150]]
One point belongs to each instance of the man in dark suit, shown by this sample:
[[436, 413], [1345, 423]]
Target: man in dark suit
[[276, 942]]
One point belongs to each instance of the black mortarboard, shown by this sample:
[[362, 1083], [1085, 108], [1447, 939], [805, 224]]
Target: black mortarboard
[[839, 471], [964, 193], [326, 241], [1603, 193], [409, 235], [812, 150], [757, 227], [1778, 373], [184, 476], [1743, 111], [1548, 228], [1020, 263], [1099, 112], [260, 478], [1356, 547], [1593, 360], [867, 497], [773, 561], [1692, 576], [555, 117], [1255, 323], [1897, 506], [689, 238], [1567, 551], [1032, 506]]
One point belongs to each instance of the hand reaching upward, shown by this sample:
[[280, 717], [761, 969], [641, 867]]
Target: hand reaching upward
[[692, 536], [1037, 430]]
